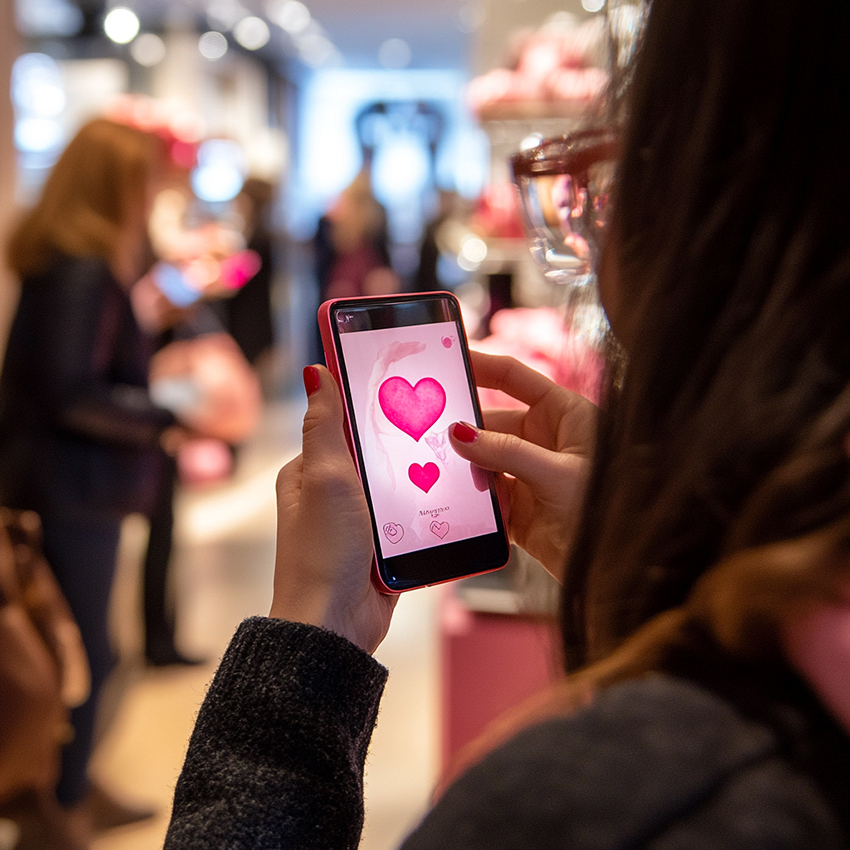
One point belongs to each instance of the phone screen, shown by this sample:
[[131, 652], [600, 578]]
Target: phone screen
[[174, 286], [407, 379]]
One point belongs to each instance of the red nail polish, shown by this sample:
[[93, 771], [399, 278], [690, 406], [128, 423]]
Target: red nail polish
[[311, 380], [464, 433]]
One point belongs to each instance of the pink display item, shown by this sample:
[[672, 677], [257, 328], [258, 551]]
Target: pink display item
[[817, 644]]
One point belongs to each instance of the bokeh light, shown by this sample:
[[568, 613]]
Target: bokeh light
[[121, 25], [252, 33], [220, 172], [212, 45], [148, 49], [290, 15]]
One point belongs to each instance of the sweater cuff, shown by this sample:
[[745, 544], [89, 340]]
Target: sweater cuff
[[273, 665]]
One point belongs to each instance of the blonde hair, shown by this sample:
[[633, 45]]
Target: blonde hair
[[95, 188]]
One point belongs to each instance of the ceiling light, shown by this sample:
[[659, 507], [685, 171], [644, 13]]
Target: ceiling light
[[290, 15], [252, 33], [148, 49], [224, 14], [592, 5], [37, 86], [121, 25], [212, 45], [220, 172]]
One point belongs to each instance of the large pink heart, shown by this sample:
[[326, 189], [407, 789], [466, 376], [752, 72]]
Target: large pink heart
[[424, 477], [412, 409]]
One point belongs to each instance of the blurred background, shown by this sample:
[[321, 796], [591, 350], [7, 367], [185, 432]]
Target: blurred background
[[302, 130]]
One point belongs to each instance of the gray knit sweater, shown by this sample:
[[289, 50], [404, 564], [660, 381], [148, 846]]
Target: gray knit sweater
[[276, 761]]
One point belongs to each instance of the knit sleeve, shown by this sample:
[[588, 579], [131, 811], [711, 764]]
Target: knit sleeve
[[277, 756]]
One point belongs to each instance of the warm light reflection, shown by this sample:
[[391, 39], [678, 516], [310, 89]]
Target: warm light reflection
[[531, 141], [473, 252]]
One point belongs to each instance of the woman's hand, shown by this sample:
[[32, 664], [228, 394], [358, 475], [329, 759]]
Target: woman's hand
[[544, 451], [324, 535]]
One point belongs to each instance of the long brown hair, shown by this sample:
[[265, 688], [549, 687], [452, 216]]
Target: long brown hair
[[722, 469], [97, 185], [719, 499]]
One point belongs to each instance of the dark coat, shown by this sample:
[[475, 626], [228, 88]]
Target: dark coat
[[78, 430]]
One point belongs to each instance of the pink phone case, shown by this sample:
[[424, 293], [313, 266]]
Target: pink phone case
[[332, 357]]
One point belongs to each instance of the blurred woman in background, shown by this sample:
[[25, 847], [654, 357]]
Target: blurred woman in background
[[79, 436]]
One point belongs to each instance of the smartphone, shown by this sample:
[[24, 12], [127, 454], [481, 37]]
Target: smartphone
[[239, 268], [402, 364], [174, 285]]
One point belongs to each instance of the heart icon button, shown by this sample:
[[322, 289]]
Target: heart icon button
[[393, 532], [412, 409], [441, 529], [424, 477]]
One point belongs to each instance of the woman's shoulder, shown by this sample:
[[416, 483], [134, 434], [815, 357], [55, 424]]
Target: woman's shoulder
[[645, 759], [71, 282], [58, 268]]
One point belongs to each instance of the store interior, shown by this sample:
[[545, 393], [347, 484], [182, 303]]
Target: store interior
[[429, 101]]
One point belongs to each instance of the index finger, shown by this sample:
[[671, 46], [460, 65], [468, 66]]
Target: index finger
[[498, 372], [505, 421]]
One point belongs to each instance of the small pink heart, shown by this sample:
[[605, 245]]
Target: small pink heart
[[424, 477], [441, 529], [412, 409], [447, 342]]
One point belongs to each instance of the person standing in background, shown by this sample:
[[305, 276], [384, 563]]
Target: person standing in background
[[248, 313], [352, 252], [80, 438], [351, 248]]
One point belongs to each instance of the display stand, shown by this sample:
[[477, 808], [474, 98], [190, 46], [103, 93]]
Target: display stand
[[498, 645]]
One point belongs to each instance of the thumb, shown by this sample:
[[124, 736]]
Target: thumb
[[500, 452], [323, 432]]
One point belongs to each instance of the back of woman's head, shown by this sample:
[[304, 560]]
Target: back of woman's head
[[96, 187], [726, 433]]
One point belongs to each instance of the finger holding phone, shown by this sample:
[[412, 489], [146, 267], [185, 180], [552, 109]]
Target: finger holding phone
[[542, 454], [324, 539]]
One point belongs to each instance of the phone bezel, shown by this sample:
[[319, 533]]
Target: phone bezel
[[443, 562]]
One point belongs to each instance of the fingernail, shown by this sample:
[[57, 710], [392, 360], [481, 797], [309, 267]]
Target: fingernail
[[311, 380], [463, 432]]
